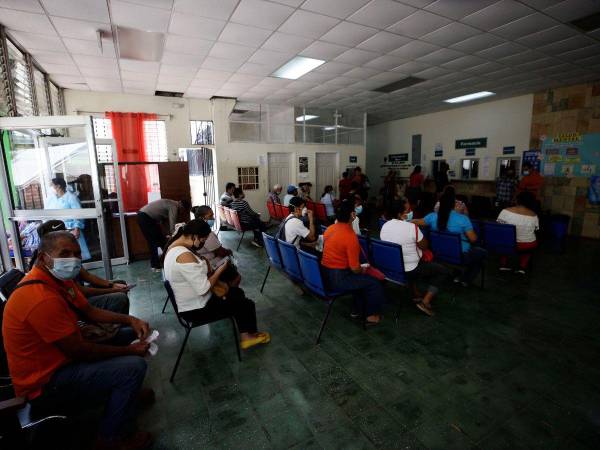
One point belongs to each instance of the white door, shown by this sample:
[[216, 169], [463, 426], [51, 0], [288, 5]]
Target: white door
[[279, 170], [327, 173]]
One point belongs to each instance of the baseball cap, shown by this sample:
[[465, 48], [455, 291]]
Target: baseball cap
[[50, 226], [291, 188]]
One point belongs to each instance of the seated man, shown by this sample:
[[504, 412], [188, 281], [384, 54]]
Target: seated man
[[273, 196], [293, 230], [227, 196], [292, 191], [49, 361], [249, 218], [342, 269], [101, 293], [212, 249]]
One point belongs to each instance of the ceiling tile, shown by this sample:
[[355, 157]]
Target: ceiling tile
[[194, 26], [323, 50], [569, 10], [581, 53], [414, 49], [479, 42], [22, 5], [234, 33], [521, 58], [42, 56], [572, 43], [255, 69], [450, 34], [106, 71], [78, 29], [182, 59], [349, 34], [484, 68], [172, 87], [524, 26], [138, 84], [138, 66], [214, 9], [293, 3], [270, 58], [335, 8], [261, 14], [93, 10], [230, 65], [498, 14], [126, 75], [168, 70], [381, 13], [356, 56], [59, 69], [440, 56], [68, 79], [288, 43], [502, 51], [318, 77], [463, 62], [457, 9], [38, 41], [308, 24], [90, 47], [248, 80], [410, 67], [139, 17], [334, 67], [384, 42], [419, 24], [187, 45], [231, 51], [204, 74], [164, 4], [545, 37], [385, 62], [432, 72], [26, 21], [103, 84]]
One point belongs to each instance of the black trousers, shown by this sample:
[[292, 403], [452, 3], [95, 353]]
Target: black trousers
[[234, 304], [154, 236], [432, 273], [257, 227]]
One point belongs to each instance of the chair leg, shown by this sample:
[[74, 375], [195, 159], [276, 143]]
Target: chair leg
[[236, 337], [241, 239], [187, 335], [165, 305], [324, 321], [364, 313], [265, 280]]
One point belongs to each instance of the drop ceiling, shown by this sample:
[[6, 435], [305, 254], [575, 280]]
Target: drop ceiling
[[230, 47]]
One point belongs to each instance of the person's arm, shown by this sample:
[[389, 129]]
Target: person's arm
[[99, 286], [419, 222], [471, 236], [196, 274], [78, 349], [352, 253], [421, 241], [173, 210], [249, 210], [104, 316], [312, 235]]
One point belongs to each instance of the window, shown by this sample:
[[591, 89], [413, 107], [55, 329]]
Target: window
[[20, 76], [202, 132], [248, 178], [103, 130], [55, 100], [504, 164], [469, 168], [4, 95], [40, 93]]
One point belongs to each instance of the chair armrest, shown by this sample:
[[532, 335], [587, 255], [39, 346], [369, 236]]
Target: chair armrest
[[11, 406]]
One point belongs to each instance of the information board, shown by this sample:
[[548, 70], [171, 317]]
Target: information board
[[571, 154]]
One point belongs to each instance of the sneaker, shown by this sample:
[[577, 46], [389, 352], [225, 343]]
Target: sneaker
[[257, 244], [504, 269], [354, 315], [520, 271], [156, 270], [456, 280]]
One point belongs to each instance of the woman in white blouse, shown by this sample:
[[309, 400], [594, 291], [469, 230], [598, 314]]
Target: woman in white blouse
[[192, 281], [328, 200], [527, 223]]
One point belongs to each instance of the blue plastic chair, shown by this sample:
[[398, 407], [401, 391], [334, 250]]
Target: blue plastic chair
[[365, 253], [380, 222], [289, 256], [447, 248], [500, 238], [387, 257], [313, 280], [478, 228], [273, 254]]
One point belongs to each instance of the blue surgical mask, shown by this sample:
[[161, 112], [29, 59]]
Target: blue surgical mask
[[358, 209], [65, 268], [210, 222]]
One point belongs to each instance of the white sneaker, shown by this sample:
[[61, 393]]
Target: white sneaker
[[257, 244]]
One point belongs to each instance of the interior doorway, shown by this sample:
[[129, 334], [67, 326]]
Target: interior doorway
[[279, 169], [327, 172]]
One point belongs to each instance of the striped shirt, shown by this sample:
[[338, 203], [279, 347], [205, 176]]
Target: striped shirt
[[247, 214]]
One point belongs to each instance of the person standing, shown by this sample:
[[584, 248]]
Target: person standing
[[328, 200], [227, 196], [150, 218], [273, 196], [505, 188], [441, 177], [344, 185]]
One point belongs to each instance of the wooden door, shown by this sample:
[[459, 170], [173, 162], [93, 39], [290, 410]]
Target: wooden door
[[327, 172], [279, 170]]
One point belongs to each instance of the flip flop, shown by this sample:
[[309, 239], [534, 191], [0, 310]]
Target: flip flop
[[425, 309]]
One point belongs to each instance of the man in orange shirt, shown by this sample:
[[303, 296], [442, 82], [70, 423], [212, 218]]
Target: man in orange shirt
[[343, 272], [52, 365]]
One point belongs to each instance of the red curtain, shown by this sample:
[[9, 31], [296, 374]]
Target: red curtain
[[128, 132]]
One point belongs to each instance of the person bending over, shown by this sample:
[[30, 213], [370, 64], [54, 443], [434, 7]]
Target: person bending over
[[249, 218], [526, 221], [212, 249], [53, 366], [408, 235], [342, 269], [447, 219], [192, 282], [293, 230]]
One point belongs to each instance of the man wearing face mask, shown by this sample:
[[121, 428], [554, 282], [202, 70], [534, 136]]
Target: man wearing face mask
[[53, 366], [293, 229]]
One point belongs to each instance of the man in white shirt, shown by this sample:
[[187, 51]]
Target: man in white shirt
[[409, 236], [292, 191], [293, 229]]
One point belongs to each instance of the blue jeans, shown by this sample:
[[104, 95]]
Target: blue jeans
[[113, 382], [473, 260], [115, 301], [363, 287]]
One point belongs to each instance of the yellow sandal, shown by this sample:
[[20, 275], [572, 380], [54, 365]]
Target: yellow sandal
[[262, 338]]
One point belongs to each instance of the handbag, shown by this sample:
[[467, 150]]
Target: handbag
[[426, 254], [373, 271]]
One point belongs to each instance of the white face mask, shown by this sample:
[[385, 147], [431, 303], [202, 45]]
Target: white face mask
[[304, 211]]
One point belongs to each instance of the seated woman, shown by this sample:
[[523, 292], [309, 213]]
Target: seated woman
[[459, 206], [212, 249], [328, 200], [408, 235], [448, 219], [193, 282], [527, 223]]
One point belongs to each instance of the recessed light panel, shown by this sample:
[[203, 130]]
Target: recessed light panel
[[296, 67], [305, 118], [469, 97]]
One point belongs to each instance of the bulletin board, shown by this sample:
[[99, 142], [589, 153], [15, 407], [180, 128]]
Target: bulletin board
[[571, 154]]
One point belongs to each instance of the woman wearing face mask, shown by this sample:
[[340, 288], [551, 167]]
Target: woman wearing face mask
[[192, 282], [358, 210], [212, 249]]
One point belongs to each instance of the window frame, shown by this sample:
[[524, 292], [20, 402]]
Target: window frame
[[248, 181], [469, 177]]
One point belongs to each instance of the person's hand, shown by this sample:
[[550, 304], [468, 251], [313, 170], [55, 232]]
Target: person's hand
[[75, 232], [141, 328], [119, 287], [139, 348], [363, 268], [310, 214]]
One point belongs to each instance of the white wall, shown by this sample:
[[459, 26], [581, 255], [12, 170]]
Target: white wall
[[229, 155], [504, 122]]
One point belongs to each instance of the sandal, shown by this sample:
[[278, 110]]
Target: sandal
[[426, 309], [261, 338]]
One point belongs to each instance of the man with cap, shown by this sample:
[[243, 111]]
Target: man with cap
[[292, 191], [293, 230]]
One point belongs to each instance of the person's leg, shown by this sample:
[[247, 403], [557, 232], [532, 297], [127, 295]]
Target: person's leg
[[474, 262], [525, 250], [116, 302], [149, 227], [114, 382], [434, 274], [503, 262], [362, 287]]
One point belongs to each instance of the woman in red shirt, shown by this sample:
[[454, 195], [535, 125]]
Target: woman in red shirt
[[416, 179]]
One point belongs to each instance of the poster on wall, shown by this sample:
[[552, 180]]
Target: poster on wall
[[303, 164], [594, 190], [532, 157], [579, 152]]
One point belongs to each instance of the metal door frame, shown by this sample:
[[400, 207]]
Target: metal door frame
[[39, 122]]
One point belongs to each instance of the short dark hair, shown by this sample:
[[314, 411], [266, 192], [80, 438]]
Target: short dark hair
[[344, 212], [60, 182], [296, 202], [397, 208], [50, 240], [200, 211], [229, 186], [50, 226], [186, 204], [237, 192], [526, 199]]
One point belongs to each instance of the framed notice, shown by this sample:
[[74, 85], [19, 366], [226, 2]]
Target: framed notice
[[303, 164]]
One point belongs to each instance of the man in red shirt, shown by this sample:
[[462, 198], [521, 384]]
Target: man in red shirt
[[49, 361], [343, 272], [344, 185], [532, 181]]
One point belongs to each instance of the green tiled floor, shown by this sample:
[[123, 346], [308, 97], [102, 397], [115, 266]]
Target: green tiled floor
[[514, 366]]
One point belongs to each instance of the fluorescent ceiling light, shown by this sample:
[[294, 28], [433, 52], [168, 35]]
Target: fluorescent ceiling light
[[469, 97], [296, 67], [305, 118]]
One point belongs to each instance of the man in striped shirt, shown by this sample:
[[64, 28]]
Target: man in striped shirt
[[249, 218]]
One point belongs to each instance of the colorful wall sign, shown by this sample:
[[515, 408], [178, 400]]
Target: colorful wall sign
[[571, 154]]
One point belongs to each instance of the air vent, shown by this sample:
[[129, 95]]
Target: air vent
[[588, 23], [400, 84], [168, 94]]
